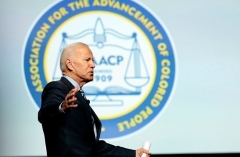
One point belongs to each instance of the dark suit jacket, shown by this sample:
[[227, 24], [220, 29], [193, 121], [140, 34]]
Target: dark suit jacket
[[71, 133]]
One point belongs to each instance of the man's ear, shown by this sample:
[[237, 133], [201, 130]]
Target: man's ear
[[69, 64]]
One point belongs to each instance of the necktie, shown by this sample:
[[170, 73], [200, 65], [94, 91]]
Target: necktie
[[83, 94]]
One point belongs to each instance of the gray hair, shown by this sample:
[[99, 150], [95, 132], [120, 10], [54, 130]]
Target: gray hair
[[69, 52]]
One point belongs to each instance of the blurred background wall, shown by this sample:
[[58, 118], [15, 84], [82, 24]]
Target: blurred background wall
[[203, 113]]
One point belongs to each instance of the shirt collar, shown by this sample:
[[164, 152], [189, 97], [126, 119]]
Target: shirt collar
[[73, 82]]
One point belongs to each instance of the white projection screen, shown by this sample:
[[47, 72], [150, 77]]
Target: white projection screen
[[186, 96]]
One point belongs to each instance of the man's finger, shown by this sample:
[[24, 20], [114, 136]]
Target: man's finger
[[71, 106]]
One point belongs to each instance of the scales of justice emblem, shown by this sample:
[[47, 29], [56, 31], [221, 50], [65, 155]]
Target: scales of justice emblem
[[120, 71], [134, 59]]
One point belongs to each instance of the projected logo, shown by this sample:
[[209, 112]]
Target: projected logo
[[134, 58]]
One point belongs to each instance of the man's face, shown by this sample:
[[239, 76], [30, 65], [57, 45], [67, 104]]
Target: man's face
[[83, 64]]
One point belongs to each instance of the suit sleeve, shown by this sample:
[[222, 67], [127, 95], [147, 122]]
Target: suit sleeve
[[52, 96], [108, 150]]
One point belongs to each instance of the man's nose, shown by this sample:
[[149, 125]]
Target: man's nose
[[93, 64]]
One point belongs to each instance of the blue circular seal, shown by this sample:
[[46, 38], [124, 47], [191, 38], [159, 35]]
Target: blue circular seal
[[134, 59]]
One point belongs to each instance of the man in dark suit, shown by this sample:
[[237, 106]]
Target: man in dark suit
[[70, 126]]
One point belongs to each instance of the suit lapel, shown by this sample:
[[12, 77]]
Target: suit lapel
[[80, 98], [97, 123], [88, 110]]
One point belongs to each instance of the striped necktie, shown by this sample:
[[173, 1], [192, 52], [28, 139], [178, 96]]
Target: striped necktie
[[82, 93]]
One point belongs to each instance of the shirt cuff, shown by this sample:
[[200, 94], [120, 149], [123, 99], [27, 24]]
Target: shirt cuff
[[60, 108]]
